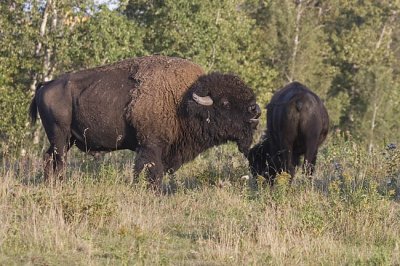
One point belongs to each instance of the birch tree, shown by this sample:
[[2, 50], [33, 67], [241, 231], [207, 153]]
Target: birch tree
[[362, 38], [294, 43], [40, 39], [218, 35]]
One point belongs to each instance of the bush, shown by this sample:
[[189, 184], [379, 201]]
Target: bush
[[14, 118]]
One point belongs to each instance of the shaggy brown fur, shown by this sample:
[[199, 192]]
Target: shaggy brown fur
[[148, 104]]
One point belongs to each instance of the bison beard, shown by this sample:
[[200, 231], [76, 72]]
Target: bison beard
[[166, 109], [297, 124]]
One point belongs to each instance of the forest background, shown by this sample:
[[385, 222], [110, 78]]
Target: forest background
[[347, 51]]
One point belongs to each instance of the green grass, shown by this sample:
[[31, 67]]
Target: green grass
[[349, 214]]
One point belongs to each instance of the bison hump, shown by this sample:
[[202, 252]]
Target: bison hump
[[161, 84]]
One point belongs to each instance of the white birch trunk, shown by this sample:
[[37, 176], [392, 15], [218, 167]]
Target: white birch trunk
[[38, 47], [386, 30], [296, 39], [45, 73]]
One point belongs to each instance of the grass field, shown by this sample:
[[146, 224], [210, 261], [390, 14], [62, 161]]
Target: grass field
[[349, 214]]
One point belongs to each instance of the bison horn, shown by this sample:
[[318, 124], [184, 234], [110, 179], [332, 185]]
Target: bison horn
[[206, 100]]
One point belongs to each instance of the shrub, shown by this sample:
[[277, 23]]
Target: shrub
[[14, 118]]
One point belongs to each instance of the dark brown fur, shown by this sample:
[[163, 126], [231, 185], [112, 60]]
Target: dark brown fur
[[146, 105], [297, 124]]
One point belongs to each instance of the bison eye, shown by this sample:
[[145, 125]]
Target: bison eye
[[225, 103]]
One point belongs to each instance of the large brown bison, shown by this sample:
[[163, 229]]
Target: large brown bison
[[166, 109], [297, 124]]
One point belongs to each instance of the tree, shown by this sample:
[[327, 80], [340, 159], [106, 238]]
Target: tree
[[361, 37], [105, 37], [294, 43], [16, 60], [40, 39], [15, 43], [219, 35]]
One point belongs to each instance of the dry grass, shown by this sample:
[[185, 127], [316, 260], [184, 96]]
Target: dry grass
[[348, 215]]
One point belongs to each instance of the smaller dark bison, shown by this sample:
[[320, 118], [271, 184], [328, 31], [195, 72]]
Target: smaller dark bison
[[297, 124]]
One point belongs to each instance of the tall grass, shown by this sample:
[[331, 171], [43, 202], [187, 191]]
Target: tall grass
[[348, 214]]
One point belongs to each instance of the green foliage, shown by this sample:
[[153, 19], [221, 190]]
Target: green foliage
[[293, 43], [72, 39], [346, 51], [361, 38], [343, 50], [218, 35], [16, 45], [105, 37], [14, 119]]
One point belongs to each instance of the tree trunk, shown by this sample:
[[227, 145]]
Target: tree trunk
[[46, 72], [373, 120], [386, 30], [39, 44], [296, 41]]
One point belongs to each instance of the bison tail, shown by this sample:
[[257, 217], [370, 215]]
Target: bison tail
[[299, 105], [33, 111]]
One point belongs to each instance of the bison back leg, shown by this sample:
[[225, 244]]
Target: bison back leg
[[55, 156], [55, 108], [287, 160], [310, 156], [59, 137], [149, 159]]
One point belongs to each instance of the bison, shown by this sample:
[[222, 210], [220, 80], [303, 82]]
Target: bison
[[164, 108], [297, 124]]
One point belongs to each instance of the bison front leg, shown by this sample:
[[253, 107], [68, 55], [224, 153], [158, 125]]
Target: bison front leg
[[149, 160]]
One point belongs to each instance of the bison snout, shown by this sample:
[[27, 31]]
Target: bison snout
[[256, 112]]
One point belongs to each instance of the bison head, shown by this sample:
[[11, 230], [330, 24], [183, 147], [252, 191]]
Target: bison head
[[222, 108], [264, 160]]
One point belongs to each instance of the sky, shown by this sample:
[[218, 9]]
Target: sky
[[112, 4]]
